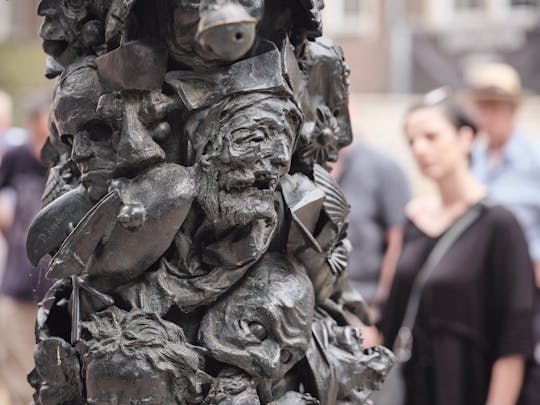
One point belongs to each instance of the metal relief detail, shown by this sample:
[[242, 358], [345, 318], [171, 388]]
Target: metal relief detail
[[196, 236]]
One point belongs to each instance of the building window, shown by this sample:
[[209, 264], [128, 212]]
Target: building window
[[352, 7], [351, 17], [525, 3], [470, 12], [468, 4]]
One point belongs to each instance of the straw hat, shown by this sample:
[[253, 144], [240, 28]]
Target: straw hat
[[497, 82]]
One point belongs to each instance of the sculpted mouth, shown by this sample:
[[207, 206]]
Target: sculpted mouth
[[258, 182], [96, 173]]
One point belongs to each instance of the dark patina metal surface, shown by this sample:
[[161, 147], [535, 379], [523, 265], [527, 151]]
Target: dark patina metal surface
[[197, 238]]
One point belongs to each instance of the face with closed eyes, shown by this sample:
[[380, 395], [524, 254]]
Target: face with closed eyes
[[89, 137], [61, 24], [264, 325]]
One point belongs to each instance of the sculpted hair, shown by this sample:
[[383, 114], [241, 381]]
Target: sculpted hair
[[206, 128], [144, 336]]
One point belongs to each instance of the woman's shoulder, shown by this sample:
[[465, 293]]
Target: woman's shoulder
[[423, 212], [501, 224], [498, 215]]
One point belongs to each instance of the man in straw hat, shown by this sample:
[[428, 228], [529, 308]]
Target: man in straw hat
[[508, 163]]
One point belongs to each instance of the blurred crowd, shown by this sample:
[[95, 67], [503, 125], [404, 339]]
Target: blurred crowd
[[451, 278], [22, 180]]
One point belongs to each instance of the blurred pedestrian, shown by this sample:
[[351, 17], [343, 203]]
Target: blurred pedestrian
[[472, 275], [377, 190], [22, 286], [10, 137], [508, 163]]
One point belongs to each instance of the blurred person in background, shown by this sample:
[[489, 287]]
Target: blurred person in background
[[508, 163], [22, 285], [472, 332], [10, 137], [377, 191]]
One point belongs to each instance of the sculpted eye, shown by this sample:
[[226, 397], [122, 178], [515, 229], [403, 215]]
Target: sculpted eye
[[286, 356], [243, 137], [98, 131], [258, 330], [67, 140]]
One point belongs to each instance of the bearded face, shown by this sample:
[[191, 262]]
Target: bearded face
[[243, 165]]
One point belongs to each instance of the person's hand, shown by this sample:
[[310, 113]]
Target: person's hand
[[537, 274]]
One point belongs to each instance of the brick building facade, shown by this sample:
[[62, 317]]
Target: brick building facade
[[415, 45], [396, 45]]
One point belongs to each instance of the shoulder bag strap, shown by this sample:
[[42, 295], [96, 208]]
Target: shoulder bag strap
[[404, 340]]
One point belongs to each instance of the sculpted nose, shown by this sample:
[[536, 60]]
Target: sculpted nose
[[280, 153], [268, 359], [46, 8], [82, 148], [136, 148]]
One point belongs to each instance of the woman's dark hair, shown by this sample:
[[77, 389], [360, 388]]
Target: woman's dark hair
[[453, 110]]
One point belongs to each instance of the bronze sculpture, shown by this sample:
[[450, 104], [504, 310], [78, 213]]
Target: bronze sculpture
[[197, 239]]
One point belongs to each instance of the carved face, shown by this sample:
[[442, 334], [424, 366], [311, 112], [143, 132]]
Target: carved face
[[66, 24], [120, 380], [89, 136], [327, 128], [135, 147], [263, 326], [251, 153], [62, 23], [359, 371]]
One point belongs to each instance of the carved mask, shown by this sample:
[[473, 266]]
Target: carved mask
[[327, 128], [89, 136], [263, 326], [250, 153], [69, 27], [138, 358]]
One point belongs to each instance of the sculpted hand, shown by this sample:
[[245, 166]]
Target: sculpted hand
[[132, 215]]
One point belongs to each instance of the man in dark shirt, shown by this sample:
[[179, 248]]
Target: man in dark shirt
[[377, 191], [22, 285]]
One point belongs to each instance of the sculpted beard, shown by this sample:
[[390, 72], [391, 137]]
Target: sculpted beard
[[233, 207]]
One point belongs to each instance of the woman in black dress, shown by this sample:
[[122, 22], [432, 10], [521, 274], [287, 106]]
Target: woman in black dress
[[473, 330]]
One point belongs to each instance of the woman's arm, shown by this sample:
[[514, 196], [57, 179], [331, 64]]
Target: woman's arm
[[506, 379], [510, 305], [394, 242]]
